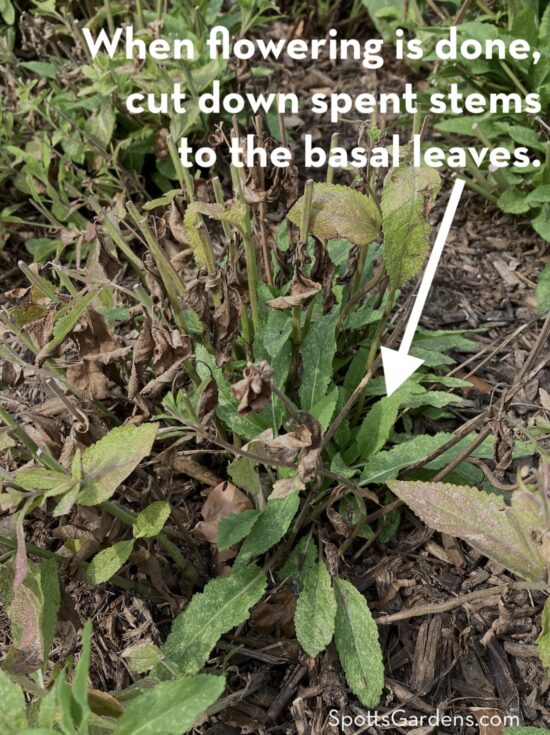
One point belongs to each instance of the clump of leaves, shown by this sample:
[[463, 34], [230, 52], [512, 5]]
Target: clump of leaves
[[270, 365]]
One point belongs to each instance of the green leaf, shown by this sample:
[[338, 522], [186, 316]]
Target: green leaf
[[224, 603], [12, 712], [543, 291], [42, 68], [101, 125], [488, 524], [378, 424], [151, 520], [407, 198], [79, 686], [300, 559], [244, 474], [24, 606], [356, 638], [323, 410], [540, 195], [527, 137], [143, 657], [49, 582], [235, 527], [170, 708], [40, 479], [318, 350], [525, 731], [340, 212], [270, 527], [541, 223], [108, 562], [386, 465], [41, 248], [513, 201], [543, 641], [7, 11], [110, 460], [315, 610]]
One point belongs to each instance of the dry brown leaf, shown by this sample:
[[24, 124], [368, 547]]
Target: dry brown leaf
[[208, 402], [284, 487], [226, 324], [302, 290], [165, 350], [254, 390], [196, 298], [96, 348], [222, 501], [276, 615]]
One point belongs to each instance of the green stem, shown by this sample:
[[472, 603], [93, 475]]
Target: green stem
[[380, 327], [140, 21], [109, 16]]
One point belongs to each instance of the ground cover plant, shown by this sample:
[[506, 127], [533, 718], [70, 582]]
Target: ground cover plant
[[517, 190], [160, 324]]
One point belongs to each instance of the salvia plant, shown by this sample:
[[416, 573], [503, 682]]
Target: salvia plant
[[166, 327]]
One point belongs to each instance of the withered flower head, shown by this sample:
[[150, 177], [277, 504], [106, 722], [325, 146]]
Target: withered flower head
[[254, 390]]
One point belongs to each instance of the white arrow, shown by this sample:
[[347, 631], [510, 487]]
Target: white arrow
[[398, 364]]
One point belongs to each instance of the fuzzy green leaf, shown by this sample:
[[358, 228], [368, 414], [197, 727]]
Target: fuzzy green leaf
[[315, 610], [235, 527], [12, 712], [244, 474], [481, 519], [108, 562], [378, 424], [323, 410], [525, 731], [24, 607], [151, 520], [356, 638], [513, 201], [300, 559], [49, 581], [541, 223], [39, 478], [386, 465], [340, 212], [270, 527], [143, 657], [407, 198], [110, 460], [223, 604], [80, 708], [318, 350], [170, 708], [100, 125]]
